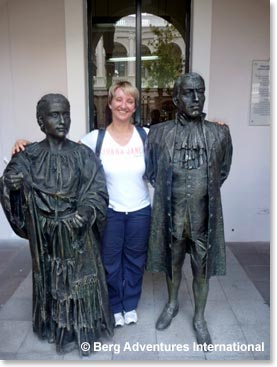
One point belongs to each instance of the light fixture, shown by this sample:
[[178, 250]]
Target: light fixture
[[132, 58]]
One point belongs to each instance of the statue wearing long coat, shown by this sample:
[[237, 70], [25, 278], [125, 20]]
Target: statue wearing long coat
[[159, 171], [70, 295]]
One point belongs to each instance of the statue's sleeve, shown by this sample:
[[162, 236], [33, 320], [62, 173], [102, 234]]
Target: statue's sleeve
[[227, 157], [93, 196], [14, 201]]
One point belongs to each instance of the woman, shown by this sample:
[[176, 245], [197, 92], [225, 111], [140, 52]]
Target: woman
[[124, 243]]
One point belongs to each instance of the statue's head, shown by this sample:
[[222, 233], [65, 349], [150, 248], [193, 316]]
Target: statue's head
[[53, 115], [189, 94]]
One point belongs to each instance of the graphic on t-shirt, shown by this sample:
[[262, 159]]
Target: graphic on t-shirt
[[135, 151]]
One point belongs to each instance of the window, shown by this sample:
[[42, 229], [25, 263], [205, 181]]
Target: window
[[145, 42]]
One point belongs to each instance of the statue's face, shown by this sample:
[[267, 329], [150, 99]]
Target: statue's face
[[56, 119], [191, 97]]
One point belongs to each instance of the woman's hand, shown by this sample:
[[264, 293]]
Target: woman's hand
[[19, 146], [220, 123]]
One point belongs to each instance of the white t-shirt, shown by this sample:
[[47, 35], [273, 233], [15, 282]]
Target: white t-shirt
[[124, 167]]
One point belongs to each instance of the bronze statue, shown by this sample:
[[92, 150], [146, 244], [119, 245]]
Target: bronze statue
[[188, 159], [54, 194]]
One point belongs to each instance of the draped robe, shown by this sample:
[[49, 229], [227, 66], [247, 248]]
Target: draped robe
[[70, 298]]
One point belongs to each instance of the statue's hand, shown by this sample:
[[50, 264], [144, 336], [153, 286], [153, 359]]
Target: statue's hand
[[19, 145], [79, 221], [14, 181]]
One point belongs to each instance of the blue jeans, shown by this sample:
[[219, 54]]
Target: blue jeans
[[124, 250]]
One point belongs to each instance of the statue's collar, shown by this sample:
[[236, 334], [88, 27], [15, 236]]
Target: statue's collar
[[183, 119]]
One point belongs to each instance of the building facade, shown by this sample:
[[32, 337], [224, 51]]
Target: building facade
[[53, 46]]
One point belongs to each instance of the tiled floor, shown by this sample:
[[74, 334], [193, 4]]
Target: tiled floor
[[231, 312], [254, 257], [15, 264]]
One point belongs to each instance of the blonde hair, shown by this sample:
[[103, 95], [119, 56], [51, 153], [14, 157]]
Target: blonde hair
[[127, 88]]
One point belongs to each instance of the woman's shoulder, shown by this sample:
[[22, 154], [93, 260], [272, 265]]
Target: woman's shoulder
[[90, 139], [91, 134]]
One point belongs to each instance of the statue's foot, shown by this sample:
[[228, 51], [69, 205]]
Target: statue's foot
[[86, 344], [201, 332], [166, 316], [85, 349], [51, 337]]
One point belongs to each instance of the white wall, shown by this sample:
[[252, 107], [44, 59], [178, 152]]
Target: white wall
[[201, 39], [76, 66], [240, 34], [32, 63]]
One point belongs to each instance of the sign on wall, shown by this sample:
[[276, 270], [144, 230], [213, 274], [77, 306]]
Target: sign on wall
[[260, 93]]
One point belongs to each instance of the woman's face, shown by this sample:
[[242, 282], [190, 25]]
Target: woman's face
[[122, 105]]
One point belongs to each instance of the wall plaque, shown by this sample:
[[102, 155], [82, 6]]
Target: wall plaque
[[260, 93]]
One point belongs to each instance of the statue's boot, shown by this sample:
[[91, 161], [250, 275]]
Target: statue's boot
[[166, 316], [52, 333], [201, 332], [85, 347], [51, 337]]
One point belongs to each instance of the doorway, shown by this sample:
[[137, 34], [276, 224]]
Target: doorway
[[146, 42]]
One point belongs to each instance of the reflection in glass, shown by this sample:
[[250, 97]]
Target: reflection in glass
[[162, 51], [158, 76]]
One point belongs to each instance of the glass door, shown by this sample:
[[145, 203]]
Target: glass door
[[145, 42]]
